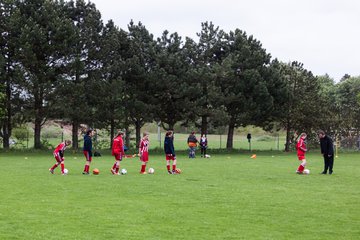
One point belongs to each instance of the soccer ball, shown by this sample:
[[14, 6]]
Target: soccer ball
[[96, 171], [207, 156], [123, 171], [306, 171], [151, 171], [178, 170], [66, 171]]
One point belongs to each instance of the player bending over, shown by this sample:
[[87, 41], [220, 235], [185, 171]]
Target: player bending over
[[59, 156]]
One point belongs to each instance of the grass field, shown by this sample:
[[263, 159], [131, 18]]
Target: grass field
[[224, 197]]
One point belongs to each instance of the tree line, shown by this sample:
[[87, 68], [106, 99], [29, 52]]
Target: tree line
[[60, 61]]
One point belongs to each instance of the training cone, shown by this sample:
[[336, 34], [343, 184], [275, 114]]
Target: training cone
[[253, 156]]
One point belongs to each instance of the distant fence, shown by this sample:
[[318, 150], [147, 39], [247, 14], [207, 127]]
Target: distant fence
[[262, 142]]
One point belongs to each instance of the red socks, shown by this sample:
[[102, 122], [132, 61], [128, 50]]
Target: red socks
[[143, 167], [300, 168], [86, 169], [55, 166], [62, 167], [174, 167]]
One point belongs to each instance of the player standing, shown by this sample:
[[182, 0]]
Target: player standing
[[59, 156], [301, 149], [117, 152], [144, 152], [170, 152], [87, 149]]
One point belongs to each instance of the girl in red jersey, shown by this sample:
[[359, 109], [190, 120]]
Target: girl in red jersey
[[144, 152], [117, 152], [301, 149], [59, 156]]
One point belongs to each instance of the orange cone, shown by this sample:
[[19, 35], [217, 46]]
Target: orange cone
[[253, 156]]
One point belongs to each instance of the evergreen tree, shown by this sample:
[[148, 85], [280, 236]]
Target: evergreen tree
[[79, 86], [242, 80], [301, 108], [174, 93], [139, 65], [42, 47], [114, 50]]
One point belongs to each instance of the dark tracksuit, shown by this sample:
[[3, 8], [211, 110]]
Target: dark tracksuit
[[327, 150], [169, 146]]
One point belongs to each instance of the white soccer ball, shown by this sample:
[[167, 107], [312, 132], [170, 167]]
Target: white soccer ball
[[207, 156], [66, 171], [123, 171], [151, 171], [306, 171]]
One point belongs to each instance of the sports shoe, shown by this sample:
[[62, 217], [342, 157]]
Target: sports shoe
[[174, 172], [323, 172], [85, 173], [112, 171], [143, 172], [170, 172], [51, 171]]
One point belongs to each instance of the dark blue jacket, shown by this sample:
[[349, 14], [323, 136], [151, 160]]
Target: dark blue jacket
[[169, 146], [87, 144]]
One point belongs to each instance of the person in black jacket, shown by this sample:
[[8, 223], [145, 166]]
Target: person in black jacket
[[170, 152], [327, 150], [87, 149]]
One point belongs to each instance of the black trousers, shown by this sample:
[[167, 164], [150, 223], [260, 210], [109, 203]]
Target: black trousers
[[328, 163], [203, 151]]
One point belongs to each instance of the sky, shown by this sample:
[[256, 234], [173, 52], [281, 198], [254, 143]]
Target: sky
[[324, 35]]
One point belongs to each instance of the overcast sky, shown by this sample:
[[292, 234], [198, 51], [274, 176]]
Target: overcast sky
[[322, 34]]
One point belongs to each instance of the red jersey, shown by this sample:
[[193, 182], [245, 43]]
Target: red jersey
[[118, 146], [144, 145], [301, 147], [60, 148]]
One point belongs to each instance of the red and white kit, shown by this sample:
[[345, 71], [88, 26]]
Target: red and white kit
[[301, 149], [144, 150], [59, 152]]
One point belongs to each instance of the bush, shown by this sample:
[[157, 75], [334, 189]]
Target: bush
[[21, 133], [264, 138], [51, 132]]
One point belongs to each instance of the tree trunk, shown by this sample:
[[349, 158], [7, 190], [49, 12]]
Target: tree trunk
[[75, 138], [6, 135], [230, 137], [112, 132], [204, 125], [37, 133], [138, 133], [7, 127], [288, 138], [38, 118], [127, 136]]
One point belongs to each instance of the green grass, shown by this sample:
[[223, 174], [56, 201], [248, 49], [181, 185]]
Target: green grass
[[224, 197]]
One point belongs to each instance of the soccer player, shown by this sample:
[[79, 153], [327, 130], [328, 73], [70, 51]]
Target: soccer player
[[59, 156], [87, 149], [144, 152], [170, 152], [117, 152], [301, 149]]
